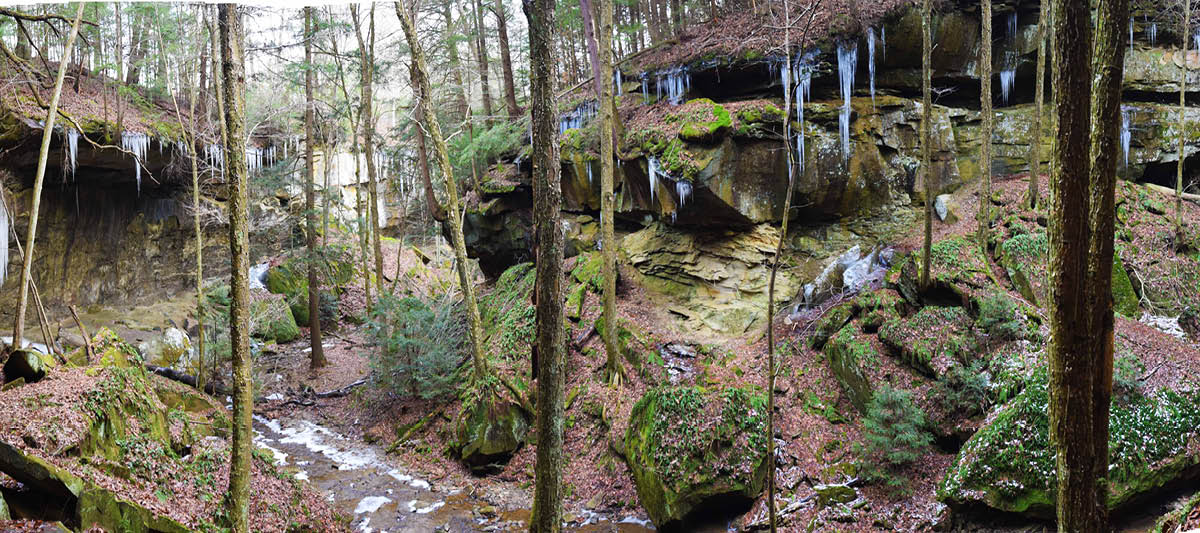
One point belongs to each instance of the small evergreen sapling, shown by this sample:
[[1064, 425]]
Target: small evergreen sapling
[[896, 435]]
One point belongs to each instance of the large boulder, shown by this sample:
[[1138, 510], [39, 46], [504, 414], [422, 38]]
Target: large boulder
[[290, 279], [27, 364], [690, 449], [487, 432]]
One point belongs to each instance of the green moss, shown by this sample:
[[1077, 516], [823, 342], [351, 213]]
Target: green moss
[[1148, 445], [933, 339], [274, 321], [589, 270], [848, 353], [1125, 300], [488, 432], [688, 445], [831, 322], [507, 313], [707, 124]]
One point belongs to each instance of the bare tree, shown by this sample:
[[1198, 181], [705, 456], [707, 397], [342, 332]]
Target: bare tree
[[317, 357], [38, 179]]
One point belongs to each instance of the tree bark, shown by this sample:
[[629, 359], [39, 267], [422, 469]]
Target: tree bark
[[608, 239], [443, 155], [926, 126], [317, 357], [435, 209], [589, 37], [455, 64], [366, 120], [1072, 408], [234, 86], [481, 55], [985, 104], [1108, 73], [1186, 33], [510, 91], [1039, 97], [547, 495], [38, 179]]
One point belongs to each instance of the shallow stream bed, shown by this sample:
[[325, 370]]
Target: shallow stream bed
[[361, 482]]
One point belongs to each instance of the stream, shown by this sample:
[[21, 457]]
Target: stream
[[361, 481]]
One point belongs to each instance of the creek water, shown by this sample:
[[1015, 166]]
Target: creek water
[[361, 481]]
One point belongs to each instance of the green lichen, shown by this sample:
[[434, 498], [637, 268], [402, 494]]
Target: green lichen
[[933, 339]]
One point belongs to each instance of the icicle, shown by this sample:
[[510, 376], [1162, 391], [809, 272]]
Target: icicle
[[1008, 78], [589, 172], [1196, 39], [804, 71], [1153, 32], [72, 153], [847, 64], [1130, 32], [645, 89], [617, 74], [138, 144], [871, 61], [882, 42], [1012, 25], [653, 172], [683, 189], [1126, 135]]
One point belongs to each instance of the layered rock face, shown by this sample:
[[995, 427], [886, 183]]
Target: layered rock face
[[709, 162]]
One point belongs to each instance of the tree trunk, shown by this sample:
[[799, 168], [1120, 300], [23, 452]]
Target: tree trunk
[[547, 495], [137, 47], [510, 92], [608, 239], [985, 104], [1039, 97], [317, 357], [926, 125], [443, 155], [38, 179], [481, 55], [366, 120], [1071, 356], [1185, 31], [589, 37], [455, 64], [1111, 17], [435, 209], [233, 71]]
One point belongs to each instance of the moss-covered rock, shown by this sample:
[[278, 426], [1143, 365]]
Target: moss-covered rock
[[273, 321], [1125, 300], [1009, 464], [932, 340], [830, 323], [707, 124], [290, 278], [28, 364], [848, 352], [688, 447], [488, 431]]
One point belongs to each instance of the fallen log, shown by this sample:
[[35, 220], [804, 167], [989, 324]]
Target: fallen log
[[187, 379], [338, 393], [1195, 198]]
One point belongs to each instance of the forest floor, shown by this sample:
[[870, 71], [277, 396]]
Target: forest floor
[[816, 439]]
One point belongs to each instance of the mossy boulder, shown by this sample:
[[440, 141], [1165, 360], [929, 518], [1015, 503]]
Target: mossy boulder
[[830, 323], [290, 278], [848, 352], [1008, 464], [273, 320], [28, 364], [689, 448], [957, 267], [102, 508], [1024, 257], [487, 432], [932, 340]]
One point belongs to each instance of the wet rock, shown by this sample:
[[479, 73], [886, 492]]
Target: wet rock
[[691, 449], [27, 364], [487, 432], [941, 206], [173, 350]]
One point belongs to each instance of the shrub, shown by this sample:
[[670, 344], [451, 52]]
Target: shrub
[[964, 389], [999, 317], [896, 435], [1127, 374], [419, 345]]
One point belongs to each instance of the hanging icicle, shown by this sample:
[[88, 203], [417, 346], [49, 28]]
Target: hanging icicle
[[1126, 134], [847, 64], [72, 149], [653, 172], [138, 144], [683, 189], [871, 61]]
